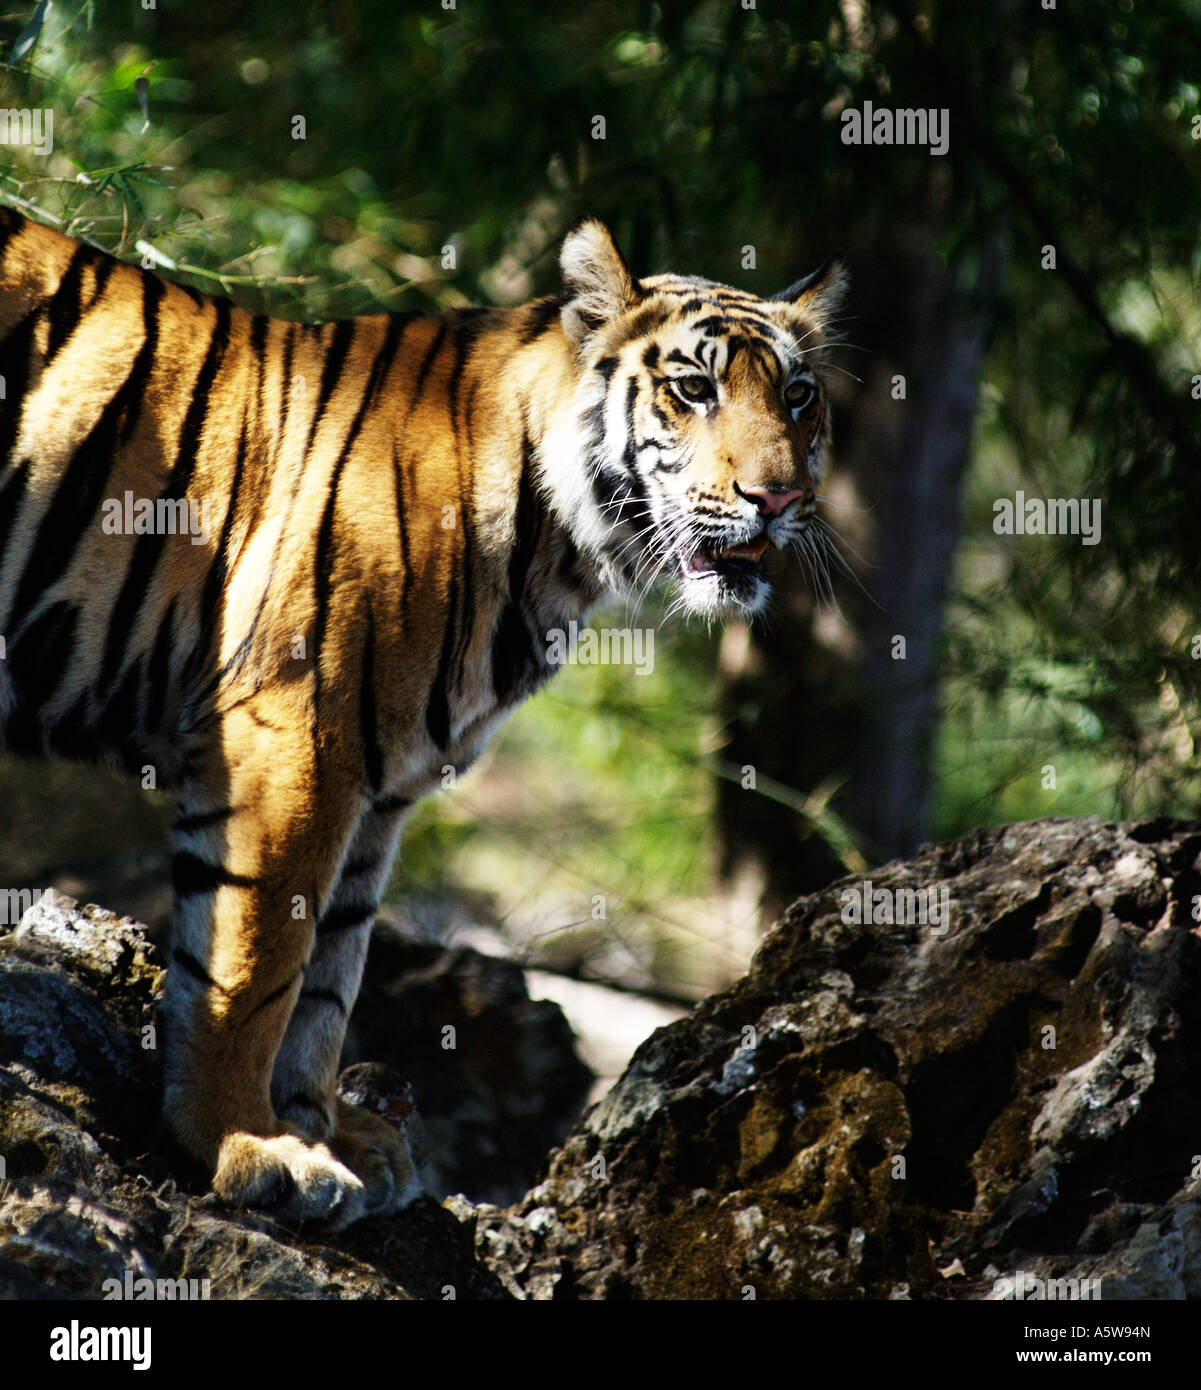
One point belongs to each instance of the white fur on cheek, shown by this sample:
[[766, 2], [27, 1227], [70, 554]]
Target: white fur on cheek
[[568, 462]]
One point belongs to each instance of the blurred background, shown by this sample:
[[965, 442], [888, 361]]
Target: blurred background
[[334, 159]]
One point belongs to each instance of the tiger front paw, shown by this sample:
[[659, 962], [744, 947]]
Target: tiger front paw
[[288, 1178]]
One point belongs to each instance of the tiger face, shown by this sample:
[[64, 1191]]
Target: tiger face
[[702, 422]]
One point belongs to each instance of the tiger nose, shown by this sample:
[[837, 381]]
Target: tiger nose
[[768, 502]]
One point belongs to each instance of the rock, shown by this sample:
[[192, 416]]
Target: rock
[[495, 1076], [998, 1101], [880, 1110], [90, 1193]]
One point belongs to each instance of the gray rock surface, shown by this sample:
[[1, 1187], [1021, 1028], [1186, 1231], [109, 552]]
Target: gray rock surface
[[91, 1187], [1007, 1097], [880, 1110]]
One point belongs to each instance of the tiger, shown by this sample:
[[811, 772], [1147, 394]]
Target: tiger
[[298, 570]]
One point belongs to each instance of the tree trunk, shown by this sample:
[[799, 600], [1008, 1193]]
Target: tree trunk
[[830, 706]]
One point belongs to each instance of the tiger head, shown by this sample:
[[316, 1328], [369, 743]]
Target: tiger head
[[699, 427]]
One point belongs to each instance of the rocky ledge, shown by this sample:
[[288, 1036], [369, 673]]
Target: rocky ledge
[[977, 1070]]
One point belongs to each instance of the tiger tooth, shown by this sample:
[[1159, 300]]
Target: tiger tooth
[[749, 550]]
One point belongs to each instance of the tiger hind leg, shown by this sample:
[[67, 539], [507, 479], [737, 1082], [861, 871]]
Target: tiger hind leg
[[305, 1076]]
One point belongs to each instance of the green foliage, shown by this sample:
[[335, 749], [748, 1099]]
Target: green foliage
[[472, 129]]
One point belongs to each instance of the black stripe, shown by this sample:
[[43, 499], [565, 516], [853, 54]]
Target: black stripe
[[540, 317], [102, 268], [467, 331], [347, 916], [567, 561], [66, 304], [669, 466], [153, 294], [335, 360], [325, 996], [118, 721], [437, 709], [661, 415], [650, 357], [630, 455], [242, 651], [193, 761], [158, 671], [193, 876], [426, 364], [593, 420], [513, 651], [402, 525], [259, 326], [466, 620], [194, 968], [308, 1103], [12, 494], [469, 420], [739, 342], [323, 565], [528, 520], [616, 494], [201, 820], [11, 223], [15, 357], [84, 481], [214, 582], [39, 658], [373, 756], [362, 865], [468, 325], [388, 805], [70, 737], [270, 999], [644, 321], [514, 656], [148, 548], [285, 384]]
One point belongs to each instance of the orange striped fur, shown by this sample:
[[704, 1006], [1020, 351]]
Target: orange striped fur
[[383, 519]]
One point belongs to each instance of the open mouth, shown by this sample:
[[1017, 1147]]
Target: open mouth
[[732, 560]]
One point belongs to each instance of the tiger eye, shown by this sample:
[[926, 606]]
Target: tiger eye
[[694, 388], [798, 394]]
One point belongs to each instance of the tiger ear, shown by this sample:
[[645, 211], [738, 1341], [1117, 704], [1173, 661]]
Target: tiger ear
[[599, 285], [819, 294]]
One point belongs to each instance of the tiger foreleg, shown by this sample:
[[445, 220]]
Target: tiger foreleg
[[254, 865]]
